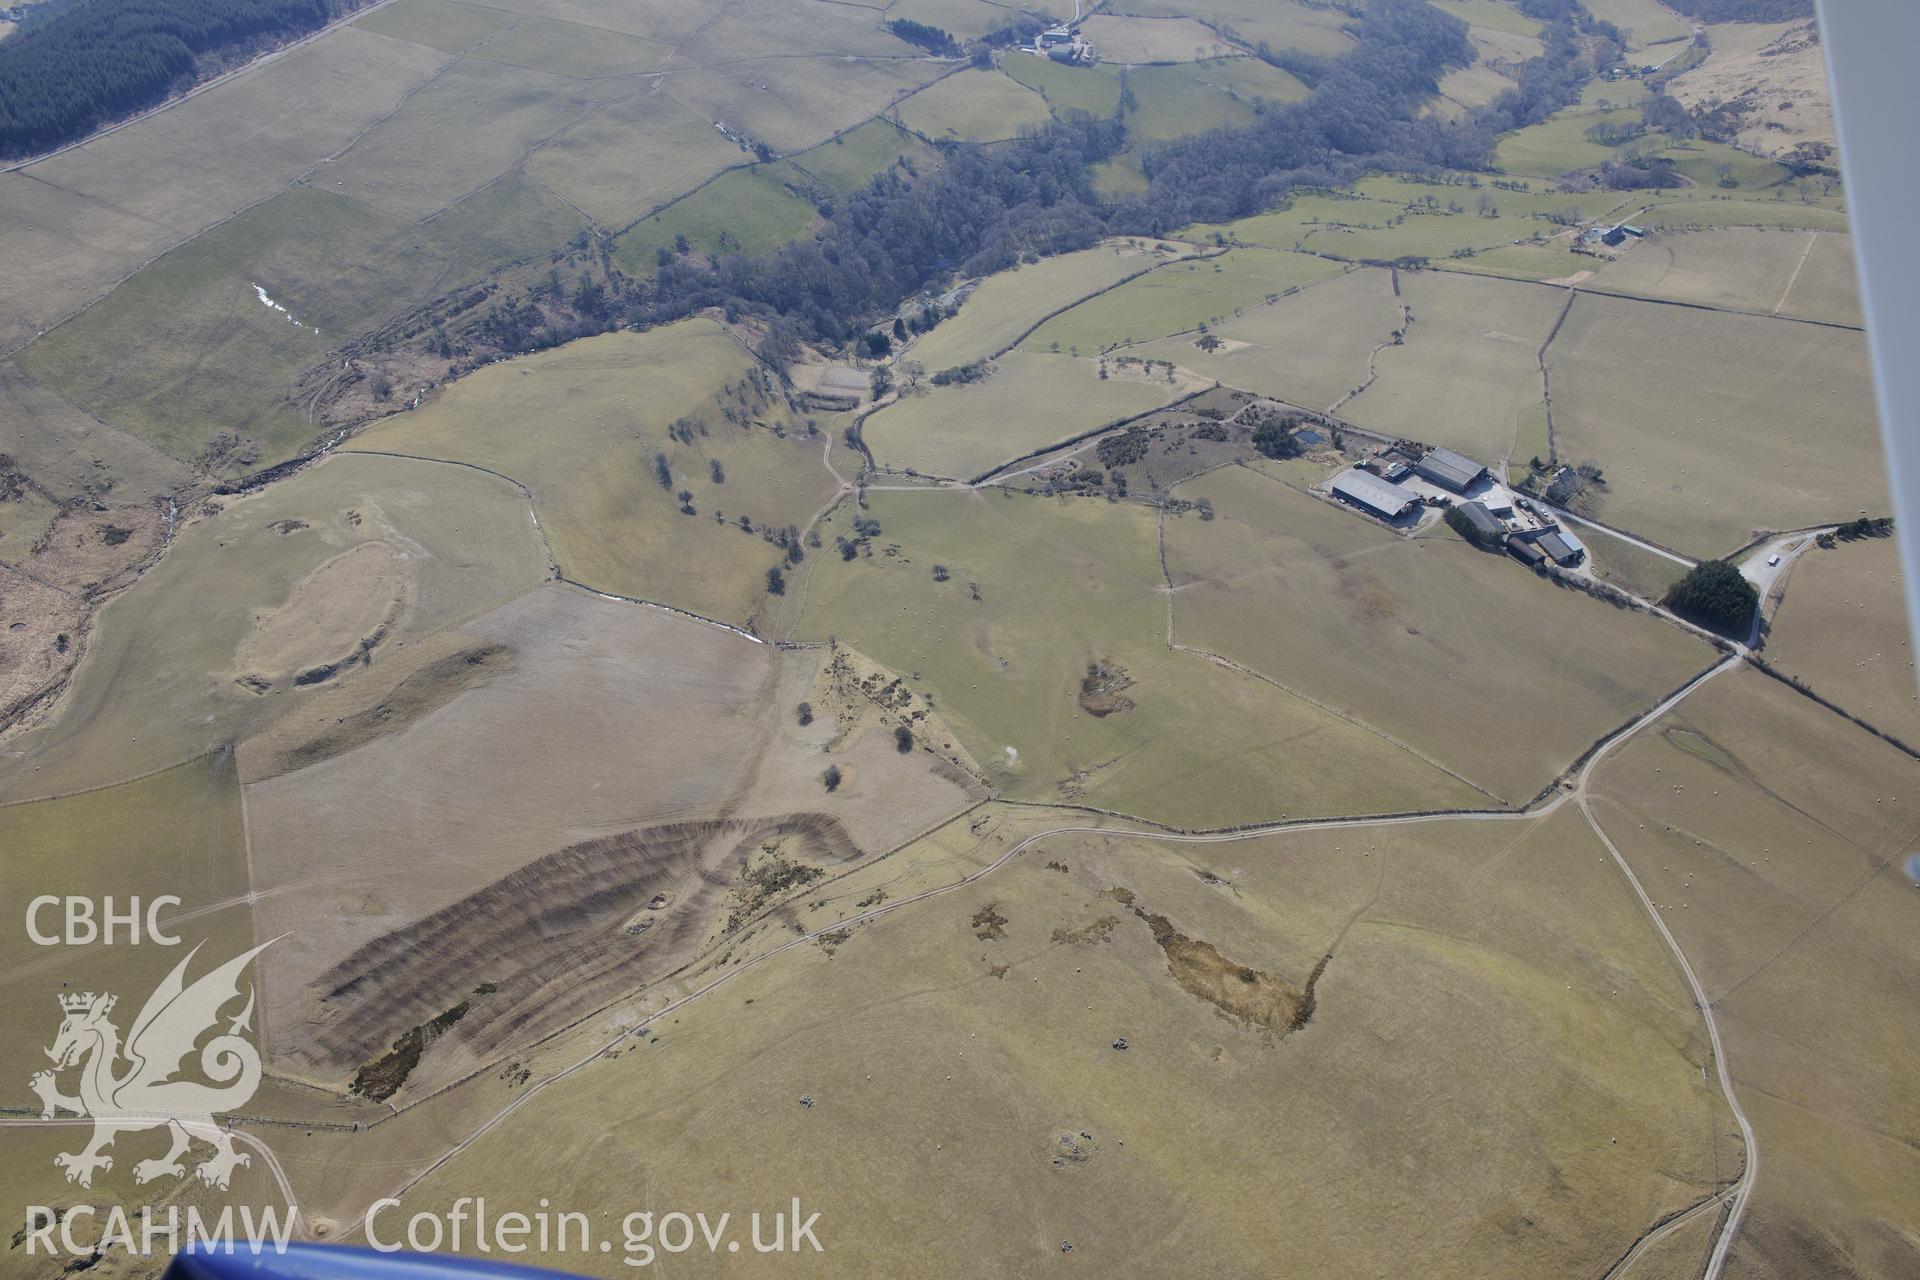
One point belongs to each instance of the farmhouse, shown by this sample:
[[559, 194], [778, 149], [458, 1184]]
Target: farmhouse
[[1063, 44], [1450, 470], [1370, 493]]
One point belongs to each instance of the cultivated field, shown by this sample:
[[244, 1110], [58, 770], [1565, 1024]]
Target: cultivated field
[[580, 427], [1180, 297], [1062, 584], [609, 720], [1771, 834], [968, 1041], [1310, 349], [1010, 303], [1030, 401], [1711, 425], [1468, 371], [1842, 629], [1808, 275], [1420, 638], [164, 678]]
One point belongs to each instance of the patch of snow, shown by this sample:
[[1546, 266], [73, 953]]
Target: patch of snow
[[266, 299]]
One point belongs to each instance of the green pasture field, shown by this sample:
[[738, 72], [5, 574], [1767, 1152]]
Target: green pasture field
[[1507, 206], [1009, 303], [973, 106], [1483, 943], [1287, 227], [1632, 568], [1645, 22], [1094, 90], [472, 124], [1468, 373], [1557, 145], [1061, 583], [668, 21], [72, 454], [1771, 835], [1283, 24], [853, 159], [186, 349], [751, 210], [1842, 629], [1828, 286], [1031, 400], [1420, 638], [177, 832], [80, 221], [1741, 270], [1173, 101], [636, 155], [451, 26], [579, 426], [1711, 425], [1547, 261], [1716, 211], [161, 680], [757, 33], [1178, 297], [793, 102], [1491, 15], [965, 19], [1310, 348], [569, 49], [1143, 40], [1465, 88]]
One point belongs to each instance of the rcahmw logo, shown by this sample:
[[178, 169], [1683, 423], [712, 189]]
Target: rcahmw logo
[[128, 1085]]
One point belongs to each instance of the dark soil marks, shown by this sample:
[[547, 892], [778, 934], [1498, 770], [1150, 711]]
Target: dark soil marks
[[426, 690], [988, 924], [1250, 996], [1101, 689], [551, 942]]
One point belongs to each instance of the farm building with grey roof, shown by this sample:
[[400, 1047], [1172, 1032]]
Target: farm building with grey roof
[[1371, 493], [1450, 470]]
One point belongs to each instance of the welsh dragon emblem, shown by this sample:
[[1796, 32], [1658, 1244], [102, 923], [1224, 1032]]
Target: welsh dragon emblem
[[126, 1087]]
